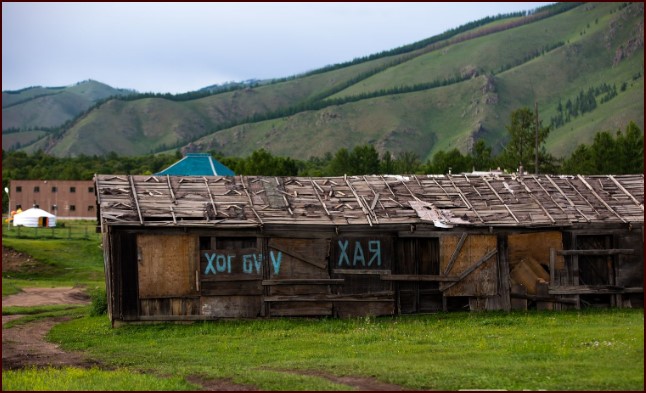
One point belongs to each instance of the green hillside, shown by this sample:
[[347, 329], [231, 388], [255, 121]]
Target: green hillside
[[40, 107], [442, 92]]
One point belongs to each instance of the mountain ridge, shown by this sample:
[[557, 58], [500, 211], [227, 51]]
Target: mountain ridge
[[431, 98]]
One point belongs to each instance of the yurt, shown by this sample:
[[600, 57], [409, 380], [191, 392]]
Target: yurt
[[34, 217]]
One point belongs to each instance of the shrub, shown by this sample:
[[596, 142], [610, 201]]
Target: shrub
[[99, 302]]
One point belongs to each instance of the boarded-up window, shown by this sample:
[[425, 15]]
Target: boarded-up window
[[299, 281], [362, 253], [230, 266], [475, 264], [166, 265]]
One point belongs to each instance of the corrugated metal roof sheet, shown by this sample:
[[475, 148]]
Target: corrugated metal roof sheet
[[445, 201]]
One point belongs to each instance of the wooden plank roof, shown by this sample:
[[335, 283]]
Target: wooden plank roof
[[443, 200]]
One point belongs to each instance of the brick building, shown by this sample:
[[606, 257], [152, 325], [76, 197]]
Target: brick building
[[63, 198]]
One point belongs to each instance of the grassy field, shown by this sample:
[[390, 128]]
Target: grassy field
[[66, 256], [592, 349], [584, 350]]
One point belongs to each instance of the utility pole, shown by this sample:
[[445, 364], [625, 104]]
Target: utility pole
[[536, 151]]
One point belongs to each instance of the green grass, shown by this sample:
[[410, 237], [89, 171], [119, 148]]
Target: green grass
[[569, 350], [56, 262], [53, 312], [68, 378], [574, 350], [19, 310], [64, 261]]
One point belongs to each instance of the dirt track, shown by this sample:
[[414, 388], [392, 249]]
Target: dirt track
[[25, 345]]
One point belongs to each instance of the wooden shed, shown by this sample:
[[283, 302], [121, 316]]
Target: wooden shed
[[194, 248]]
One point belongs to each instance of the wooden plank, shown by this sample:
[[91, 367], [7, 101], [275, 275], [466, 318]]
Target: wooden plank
[[229, 278], [134, 195], [601, 199], [518, 297], [619, 251], [208, 190], [456, 252], [300, 309], [319, 298], [170, 189], [465, 200], [360, 271], [350, 309], [471, 268], [567, 198], [552, 266], [292, 248], [641, 205], [591, 289], [418, 277], [305, 281], [244, 187], [166, 265], [363, 208], [318, 196], [542, 298], [501, 200], [231, 306], [503, 272]]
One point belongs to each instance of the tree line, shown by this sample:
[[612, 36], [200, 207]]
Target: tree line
[[618, 152]]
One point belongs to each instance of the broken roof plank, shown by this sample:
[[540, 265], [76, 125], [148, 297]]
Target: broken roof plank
[[599, 198], [622, 188], [544, 201]]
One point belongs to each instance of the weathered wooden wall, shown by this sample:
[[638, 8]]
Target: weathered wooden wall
[[477, 259], [203, 275]]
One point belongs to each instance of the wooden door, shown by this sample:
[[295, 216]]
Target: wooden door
[[297, 280], [418, 256], [166, 265], [231, 273], [167, 276]]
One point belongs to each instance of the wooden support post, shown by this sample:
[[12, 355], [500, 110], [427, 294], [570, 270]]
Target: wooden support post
[[503, 274]]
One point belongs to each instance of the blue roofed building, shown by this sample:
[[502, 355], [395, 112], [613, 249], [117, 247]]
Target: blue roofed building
[[197, 164]]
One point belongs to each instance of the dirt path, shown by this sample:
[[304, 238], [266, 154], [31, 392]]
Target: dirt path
[[25, 345], [47, 297]]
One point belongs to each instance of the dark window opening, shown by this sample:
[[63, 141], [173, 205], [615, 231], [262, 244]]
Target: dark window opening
[[90, 189], [205, 243], [37, 189], [234, 243], [419, 256], [72, 208], [19, 189], [54, 189], [72, 189], [90, 208], [594, 269]]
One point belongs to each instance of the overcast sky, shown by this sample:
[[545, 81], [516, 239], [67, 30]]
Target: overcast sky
[[180, 47]]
